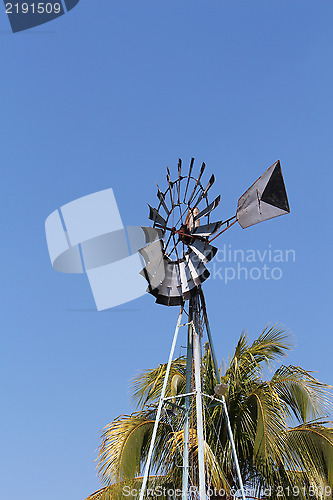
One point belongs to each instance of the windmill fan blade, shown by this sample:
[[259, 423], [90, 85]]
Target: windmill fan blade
[[210, 183], [180, 178], [198, 270], [160, 196], [188, 286], [207, 229], [154, 271], [156, 217], [168, 176], [170, 292], [170, 186], [208, 209], [265, 199], [188, 178], [196, 184], [150, 252], [179, 168], [203, 250], [151, 234], [205, 191], [140, 236]]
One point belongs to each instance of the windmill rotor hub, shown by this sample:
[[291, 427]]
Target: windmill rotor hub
[[185, 235]]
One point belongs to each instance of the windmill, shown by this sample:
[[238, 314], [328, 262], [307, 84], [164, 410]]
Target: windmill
[[175, 269]]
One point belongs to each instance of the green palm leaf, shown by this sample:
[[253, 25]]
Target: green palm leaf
[[147, 386], [123, 443]]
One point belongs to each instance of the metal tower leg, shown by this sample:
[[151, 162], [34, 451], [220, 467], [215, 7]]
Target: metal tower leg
[[224, 404], [159, 409], [200, 436], [234, 452], [189, 359]]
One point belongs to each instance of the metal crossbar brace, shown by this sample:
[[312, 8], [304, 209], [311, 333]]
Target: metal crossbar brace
[[233, 447], [224, 404], [180, 396], [159, 409]]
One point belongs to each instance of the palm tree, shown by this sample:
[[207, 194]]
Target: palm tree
[[282, 434]]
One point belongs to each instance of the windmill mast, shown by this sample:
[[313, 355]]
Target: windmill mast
[[188, 387], [198, 396]]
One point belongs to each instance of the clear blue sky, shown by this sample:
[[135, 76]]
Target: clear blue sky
[[107, 96]]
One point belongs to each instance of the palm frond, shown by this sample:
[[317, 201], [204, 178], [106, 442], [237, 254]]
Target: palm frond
[[147, 386], [120, 453], [249, 360], [303, 396], [312, 448], [102, 494]]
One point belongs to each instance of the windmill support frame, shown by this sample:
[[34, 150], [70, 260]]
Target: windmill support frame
[[193, 358]]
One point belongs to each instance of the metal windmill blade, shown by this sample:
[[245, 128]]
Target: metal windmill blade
[[175, 264]]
